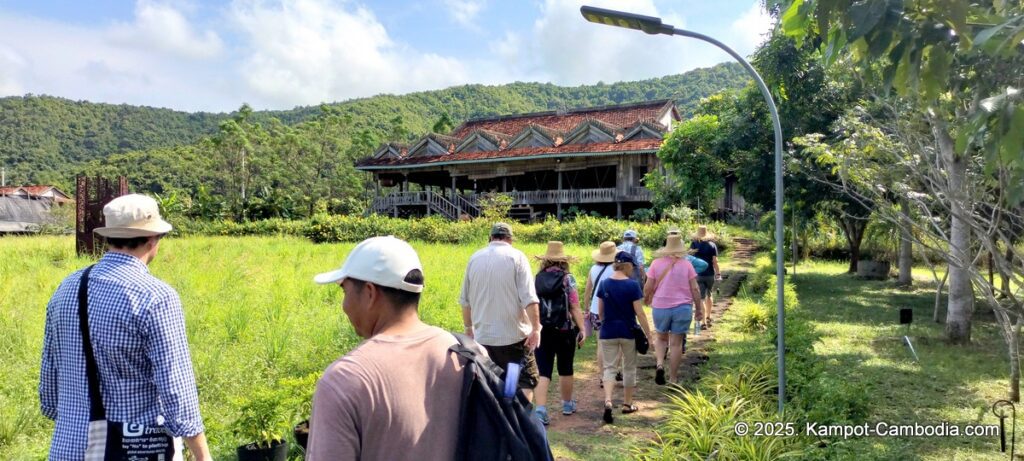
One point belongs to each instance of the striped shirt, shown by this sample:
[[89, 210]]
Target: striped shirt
[[138, 334], [497, 288]]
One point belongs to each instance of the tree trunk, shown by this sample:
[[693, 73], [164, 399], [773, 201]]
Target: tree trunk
[[938, 298], [1004, 287], [1014, 344], [906, 257], [854, 230], [961, 294]]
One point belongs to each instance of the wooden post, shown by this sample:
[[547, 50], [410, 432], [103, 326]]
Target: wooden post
[[504, 184], [458, 206], [558, 199], [618, 209]]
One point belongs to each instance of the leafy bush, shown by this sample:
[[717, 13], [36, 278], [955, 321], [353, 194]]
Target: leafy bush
[[702, 426], [265, 417], [752, 382], [751, 316], [495, 207]]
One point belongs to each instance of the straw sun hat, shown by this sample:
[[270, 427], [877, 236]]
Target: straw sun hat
[[703, 234], [604, 254], [673, 247], [556, 252]]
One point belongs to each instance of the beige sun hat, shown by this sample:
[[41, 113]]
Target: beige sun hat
[[604, 254], [132, 215], [556, 252], [673, 247], [703, 234]]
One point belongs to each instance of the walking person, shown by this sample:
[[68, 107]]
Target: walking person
[[619, 304], [671, 291], [704, 248], [500, 305], [122, 351], [631, 244], [367, 405], [562, 328], [603, 258]]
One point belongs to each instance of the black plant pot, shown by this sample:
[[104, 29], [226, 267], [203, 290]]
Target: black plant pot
[[277, 451], [301, 433]]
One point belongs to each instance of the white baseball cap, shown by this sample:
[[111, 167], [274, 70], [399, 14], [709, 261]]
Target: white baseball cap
[[132, 215], [384, 261]]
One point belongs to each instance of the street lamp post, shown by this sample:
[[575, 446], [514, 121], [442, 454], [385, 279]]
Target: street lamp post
[[654, 26]]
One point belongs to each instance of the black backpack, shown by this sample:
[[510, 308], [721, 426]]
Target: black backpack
[[492, 426], [554, 298]]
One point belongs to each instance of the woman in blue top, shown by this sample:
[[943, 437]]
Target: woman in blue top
[[620, 307]]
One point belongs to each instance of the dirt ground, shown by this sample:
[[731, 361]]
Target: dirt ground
[[573, 431]]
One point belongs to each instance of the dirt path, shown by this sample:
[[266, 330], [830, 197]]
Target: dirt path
[[649, 396]]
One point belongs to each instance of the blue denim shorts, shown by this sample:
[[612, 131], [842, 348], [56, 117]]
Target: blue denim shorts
[[675, 320]]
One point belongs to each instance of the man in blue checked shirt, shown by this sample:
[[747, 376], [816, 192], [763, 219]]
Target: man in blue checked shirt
[[137, 328]]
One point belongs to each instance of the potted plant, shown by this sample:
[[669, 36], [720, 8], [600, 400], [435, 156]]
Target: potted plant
[[301, 390], [882, 240], [263, 423]]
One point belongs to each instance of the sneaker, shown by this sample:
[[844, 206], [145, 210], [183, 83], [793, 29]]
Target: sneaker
[[568, 407], [542, 415], [659, 376], [608, 418], [618, 376]]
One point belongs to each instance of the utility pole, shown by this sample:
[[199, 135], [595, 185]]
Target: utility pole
[[3, 176]]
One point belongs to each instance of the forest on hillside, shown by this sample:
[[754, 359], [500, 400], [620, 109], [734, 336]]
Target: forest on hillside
[[49, 140]]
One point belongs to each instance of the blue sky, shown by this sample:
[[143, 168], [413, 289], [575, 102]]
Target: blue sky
[[276, 54]]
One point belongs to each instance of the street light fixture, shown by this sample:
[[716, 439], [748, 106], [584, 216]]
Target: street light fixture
[[653, 26]]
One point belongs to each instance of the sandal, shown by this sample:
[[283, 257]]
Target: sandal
[[627, 409], [608, 418]]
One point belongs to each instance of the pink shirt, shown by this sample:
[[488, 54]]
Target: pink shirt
[[675, 288]]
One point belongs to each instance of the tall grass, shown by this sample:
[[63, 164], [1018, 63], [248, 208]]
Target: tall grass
[[254, 318]]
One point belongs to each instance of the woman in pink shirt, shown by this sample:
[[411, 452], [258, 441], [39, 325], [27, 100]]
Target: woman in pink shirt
[[670, 288]]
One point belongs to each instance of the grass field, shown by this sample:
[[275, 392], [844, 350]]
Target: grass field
[[253, 316], [860, 341]]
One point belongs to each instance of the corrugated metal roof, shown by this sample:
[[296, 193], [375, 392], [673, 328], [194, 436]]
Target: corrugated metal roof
[[20, 214]]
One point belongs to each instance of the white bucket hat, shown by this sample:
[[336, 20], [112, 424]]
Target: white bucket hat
[[384, 261], [132, 215]]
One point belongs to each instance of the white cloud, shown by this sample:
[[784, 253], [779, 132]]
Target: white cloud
[[310, 51], [753, 28], [11, 65], [77, 62], [162, 27], [563, 48], [465, 11]]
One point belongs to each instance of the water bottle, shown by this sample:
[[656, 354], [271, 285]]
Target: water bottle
[[696, 328]]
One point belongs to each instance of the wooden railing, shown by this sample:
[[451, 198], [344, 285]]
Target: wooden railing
[[467, 207], [638, 193], [435, 203], [469, 204], [540, 197]]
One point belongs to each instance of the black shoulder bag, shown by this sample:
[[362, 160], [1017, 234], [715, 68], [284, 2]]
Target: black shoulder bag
[[109, 440]]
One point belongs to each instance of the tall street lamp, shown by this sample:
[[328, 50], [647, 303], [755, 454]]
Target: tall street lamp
[[654, 26]]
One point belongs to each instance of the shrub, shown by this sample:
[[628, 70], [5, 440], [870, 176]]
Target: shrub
[[264, 417], [751, 317]]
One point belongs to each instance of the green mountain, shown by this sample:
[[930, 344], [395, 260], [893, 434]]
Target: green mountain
[[49, 140]]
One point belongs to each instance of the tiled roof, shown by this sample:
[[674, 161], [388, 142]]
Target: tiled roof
[[625, 146], [512, 125], [556, 126]]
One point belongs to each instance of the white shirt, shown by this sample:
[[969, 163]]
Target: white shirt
[[595, 270], [497, 287]]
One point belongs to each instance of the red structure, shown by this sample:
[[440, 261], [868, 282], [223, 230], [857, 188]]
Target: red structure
[[91, 195]]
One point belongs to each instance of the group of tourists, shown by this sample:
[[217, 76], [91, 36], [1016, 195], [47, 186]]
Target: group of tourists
[[395, 396]]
